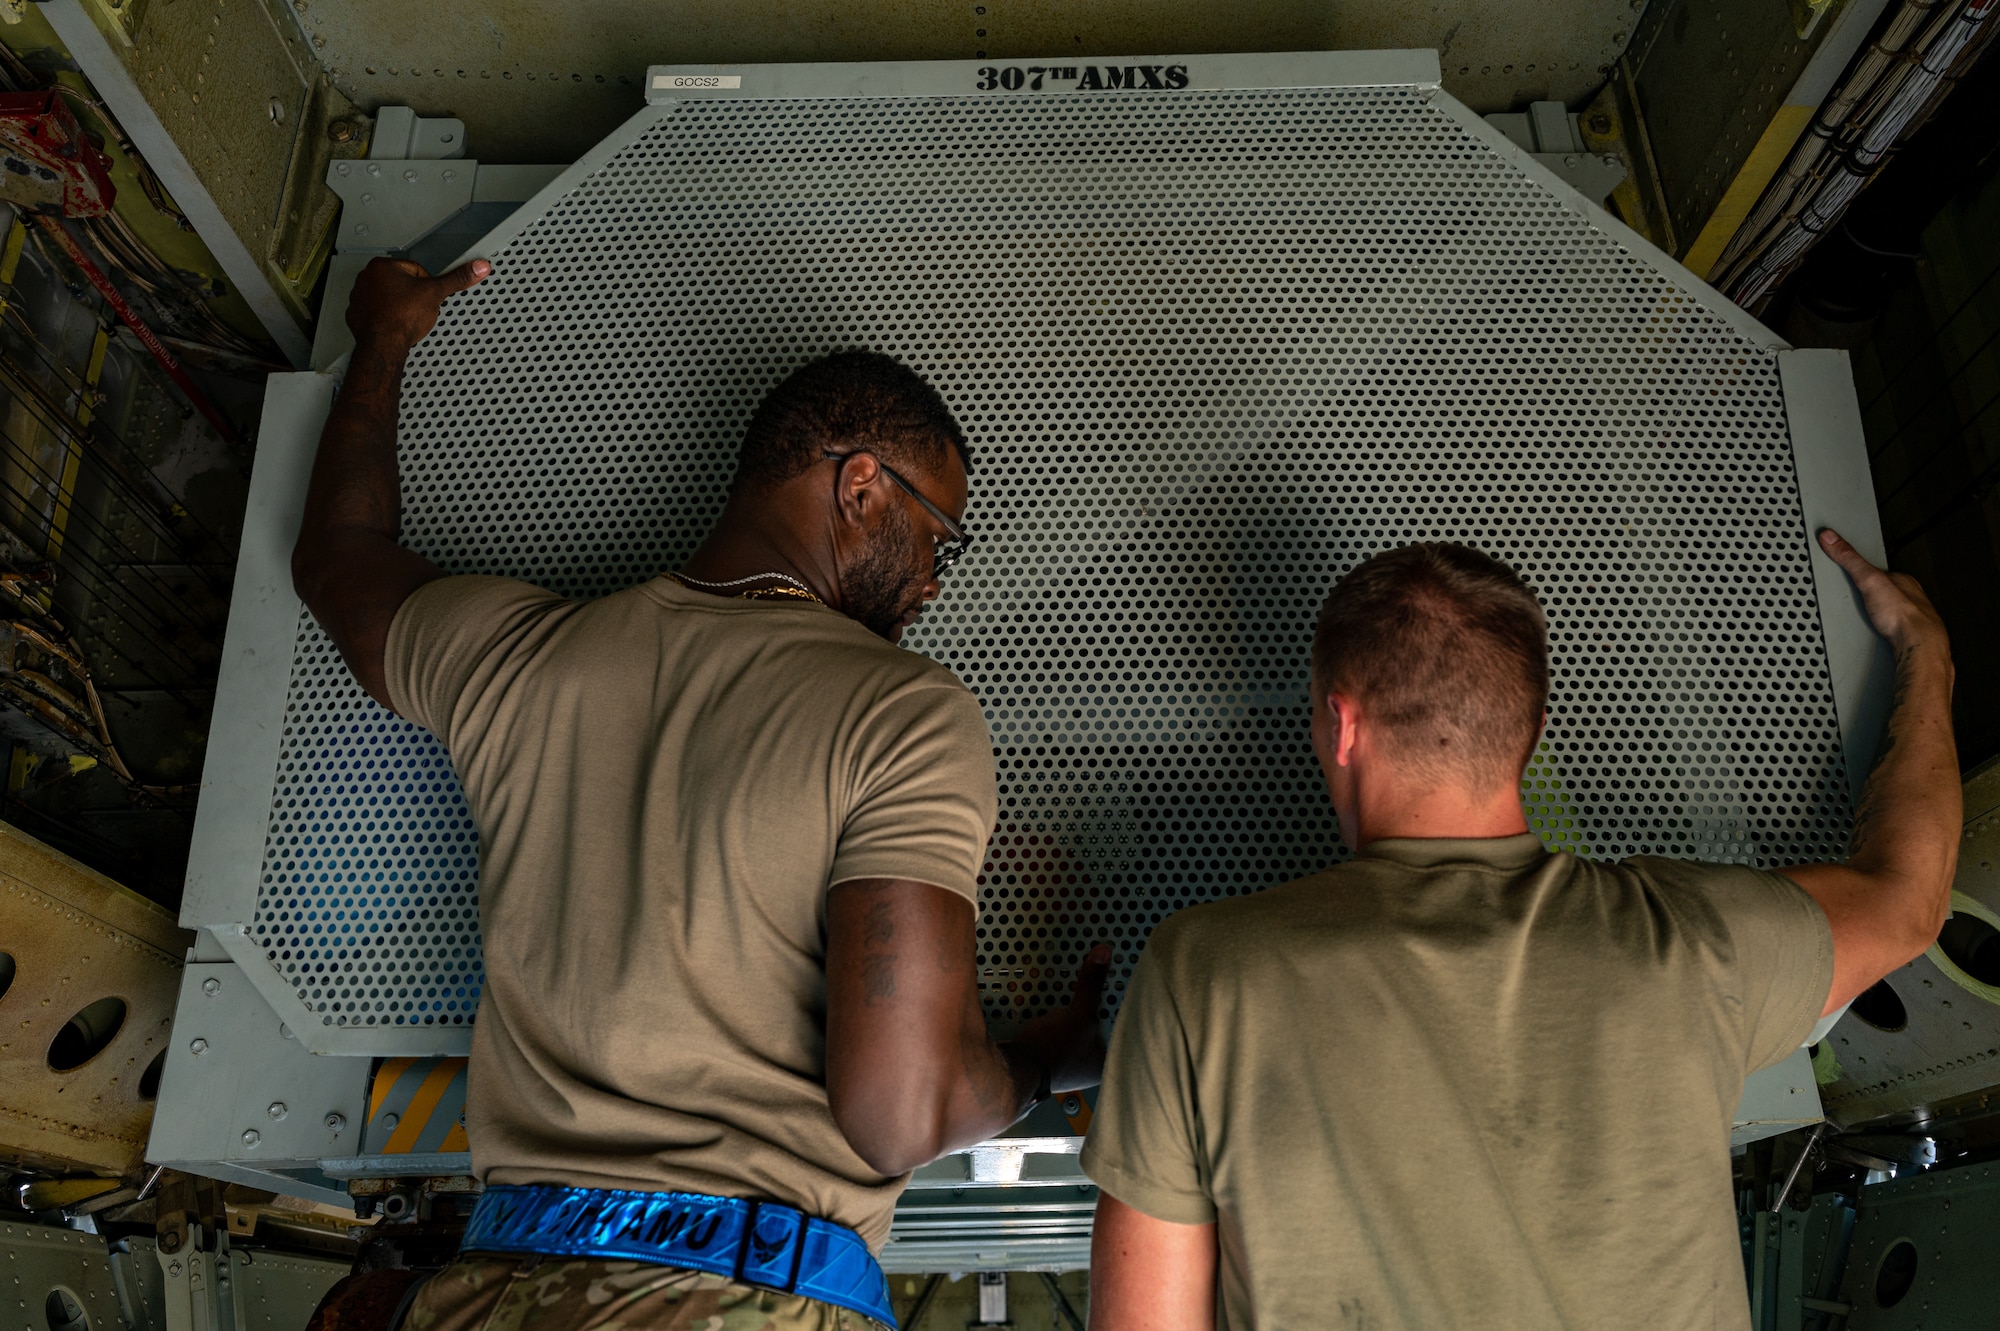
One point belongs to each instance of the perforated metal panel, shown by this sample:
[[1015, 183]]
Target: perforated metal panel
[[1212, 348]]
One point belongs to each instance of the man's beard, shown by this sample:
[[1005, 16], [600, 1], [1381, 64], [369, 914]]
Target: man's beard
[[882, 588]]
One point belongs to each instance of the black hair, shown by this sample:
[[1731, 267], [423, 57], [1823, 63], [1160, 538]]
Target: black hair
[[843, 403]]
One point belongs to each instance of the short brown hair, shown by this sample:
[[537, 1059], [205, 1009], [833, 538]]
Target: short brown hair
[[1448, 650]]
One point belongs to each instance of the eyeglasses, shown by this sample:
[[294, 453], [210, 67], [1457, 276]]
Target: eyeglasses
[[944, 553]]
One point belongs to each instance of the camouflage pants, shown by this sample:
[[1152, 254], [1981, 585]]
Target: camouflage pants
[[589, 1294]]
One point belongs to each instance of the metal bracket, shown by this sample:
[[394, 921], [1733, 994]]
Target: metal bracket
[[403, 135], [244, 1100], [1552, 136], [442, 209], [391, 205], [210, 1285], [197, 1286]]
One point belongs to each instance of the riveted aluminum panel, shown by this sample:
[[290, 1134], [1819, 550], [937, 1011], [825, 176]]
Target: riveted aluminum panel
[[1940, 1038], [57, 1275], [1213, 346], [1922, 1254], [87, 976]]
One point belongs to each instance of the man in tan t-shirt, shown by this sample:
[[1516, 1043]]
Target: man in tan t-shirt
[[729, 839], [1460, 1081]]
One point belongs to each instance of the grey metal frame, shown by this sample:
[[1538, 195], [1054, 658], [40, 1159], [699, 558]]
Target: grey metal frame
[[230, 834], [1837, 491]]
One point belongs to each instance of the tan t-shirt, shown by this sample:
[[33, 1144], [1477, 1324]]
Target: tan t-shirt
[[665, 785], [1461, 1084]]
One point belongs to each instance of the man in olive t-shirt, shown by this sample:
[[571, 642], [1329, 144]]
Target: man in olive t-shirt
[[729, 839], [656, 1022], [1461, 1081]]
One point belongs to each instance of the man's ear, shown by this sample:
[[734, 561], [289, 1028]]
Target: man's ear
[[1345, 720], [854, 494]]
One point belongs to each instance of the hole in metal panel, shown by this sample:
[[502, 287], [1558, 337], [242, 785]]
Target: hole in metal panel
[[149, 1080], [1973, 946], [1214, 350], [1881, 1007], [86, 1035], [63, 1311], [1897, 1275]]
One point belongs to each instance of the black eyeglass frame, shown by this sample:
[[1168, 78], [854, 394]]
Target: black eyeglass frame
[[943, 553]]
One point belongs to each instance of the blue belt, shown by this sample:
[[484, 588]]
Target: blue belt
[[755, 1243]]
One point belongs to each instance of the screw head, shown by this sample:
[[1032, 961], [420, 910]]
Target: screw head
[[251, 1136], [211, 986], [197, 1045], [277, 1109], [361, 229], [173, 1268], [374, 168], [1071, 1105], [336, 1123], [410, 175], [340, 131], [390, 1121]]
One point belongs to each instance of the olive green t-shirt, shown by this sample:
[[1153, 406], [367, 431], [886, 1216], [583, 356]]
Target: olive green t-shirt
[[666, 784], [1461, 1084]]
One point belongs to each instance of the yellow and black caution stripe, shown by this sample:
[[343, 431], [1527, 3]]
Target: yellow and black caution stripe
[[416, 1106]]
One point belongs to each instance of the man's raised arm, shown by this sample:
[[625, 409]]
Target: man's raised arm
[[347, 565], [1887, 903], [911, 1071]]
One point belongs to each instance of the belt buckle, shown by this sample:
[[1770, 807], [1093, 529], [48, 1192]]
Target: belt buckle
[[773, 1247]]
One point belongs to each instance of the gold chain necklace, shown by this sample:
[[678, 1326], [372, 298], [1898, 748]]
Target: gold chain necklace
[[797, 591]]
